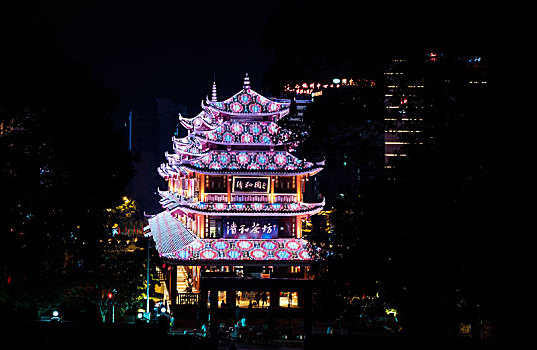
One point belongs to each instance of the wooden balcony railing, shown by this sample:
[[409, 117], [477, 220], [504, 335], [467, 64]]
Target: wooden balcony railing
[[250, 198], [187, 298]]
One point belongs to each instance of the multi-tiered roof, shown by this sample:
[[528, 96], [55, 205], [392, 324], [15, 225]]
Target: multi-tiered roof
[[240, 137]]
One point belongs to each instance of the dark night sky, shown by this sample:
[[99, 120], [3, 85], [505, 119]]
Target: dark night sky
[[145, 49], [148, 49]]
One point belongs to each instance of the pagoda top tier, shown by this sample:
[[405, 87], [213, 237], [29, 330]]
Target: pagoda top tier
[[238, 136], [247, 113], [245, 103]]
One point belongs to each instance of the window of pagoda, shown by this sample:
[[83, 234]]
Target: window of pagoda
[[215, 184], [287, 227], [285, 184], [214, 225]]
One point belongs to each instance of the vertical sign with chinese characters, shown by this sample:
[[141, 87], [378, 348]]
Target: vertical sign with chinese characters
[[248, 228], [251, 184]]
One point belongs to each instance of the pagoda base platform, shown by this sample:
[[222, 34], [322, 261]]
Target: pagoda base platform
[[214, 284]]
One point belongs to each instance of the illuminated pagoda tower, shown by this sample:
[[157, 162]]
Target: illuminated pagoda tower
[[234, 204]]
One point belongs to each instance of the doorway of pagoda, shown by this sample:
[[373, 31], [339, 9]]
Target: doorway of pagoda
[[212, 286]]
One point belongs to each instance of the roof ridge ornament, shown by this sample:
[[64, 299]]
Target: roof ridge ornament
[[246, 84], [213, 97]]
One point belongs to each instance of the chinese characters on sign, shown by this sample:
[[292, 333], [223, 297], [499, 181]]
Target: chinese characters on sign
[[251, 184], [242, 228]]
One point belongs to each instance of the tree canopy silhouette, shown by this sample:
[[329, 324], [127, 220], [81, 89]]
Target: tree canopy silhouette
[[63, 162]]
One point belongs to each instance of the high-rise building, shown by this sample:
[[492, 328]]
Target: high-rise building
[[167, 122], [403, 100], [145, 134], [417, 88]]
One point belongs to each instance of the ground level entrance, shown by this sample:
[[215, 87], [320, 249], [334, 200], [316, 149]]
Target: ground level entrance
[[213, 286], [257, 299]]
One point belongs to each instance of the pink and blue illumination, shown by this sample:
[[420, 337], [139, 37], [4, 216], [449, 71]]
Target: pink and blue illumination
[[247, 101], [250, 160], [228, 249], [238, 137]]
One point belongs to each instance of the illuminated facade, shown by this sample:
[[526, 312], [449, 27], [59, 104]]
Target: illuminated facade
[[234, 203], [403, 100]]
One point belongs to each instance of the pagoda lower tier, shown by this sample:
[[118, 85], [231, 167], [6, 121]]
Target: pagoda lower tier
[[176, 243]]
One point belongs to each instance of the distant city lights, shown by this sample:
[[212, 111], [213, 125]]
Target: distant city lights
[[316, 88]]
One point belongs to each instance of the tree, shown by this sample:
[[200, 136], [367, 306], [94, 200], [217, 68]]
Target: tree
[[63, 162], [122, 266], [125, 219], [122, 260]]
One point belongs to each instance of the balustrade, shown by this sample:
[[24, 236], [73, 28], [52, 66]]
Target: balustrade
[[285, 198], [216, 197], [187, 298], [250, 198]]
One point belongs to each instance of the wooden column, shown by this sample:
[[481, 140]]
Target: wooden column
[[202, 187], [274, 298], [173, 286], [202, 299], [299, 188], [298, 226], [228, 181], [271, 184], [300, 298], [201, 223], [214, 325], [308, 329], [231, 298]]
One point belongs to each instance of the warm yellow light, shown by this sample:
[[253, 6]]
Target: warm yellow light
[[391, 312]]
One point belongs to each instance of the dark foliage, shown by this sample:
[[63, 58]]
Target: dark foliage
[[62, 160], [430, 241]]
